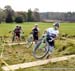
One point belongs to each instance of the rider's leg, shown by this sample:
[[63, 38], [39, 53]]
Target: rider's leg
[[50, 49], [13, 38], [18, 37], [35, 38], [34, 43]]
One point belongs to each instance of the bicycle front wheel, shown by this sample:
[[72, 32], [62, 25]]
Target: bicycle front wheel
[[40, 50]]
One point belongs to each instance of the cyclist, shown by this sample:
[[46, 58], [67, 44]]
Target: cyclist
[[21, 33], [52, 34], [16, 33], [35, 32]]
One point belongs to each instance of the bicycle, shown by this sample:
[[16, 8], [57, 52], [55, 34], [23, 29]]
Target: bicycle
[[12, 39], [29, 41], [15, 38], [41, 49]]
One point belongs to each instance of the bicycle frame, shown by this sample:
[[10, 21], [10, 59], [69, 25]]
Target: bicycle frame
[[43, 42]]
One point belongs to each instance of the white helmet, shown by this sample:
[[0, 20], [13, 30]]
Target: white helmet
[[56, 24]]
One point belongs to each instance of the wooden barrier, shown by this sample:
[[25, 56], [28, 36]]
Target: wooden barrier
[[6, 64], [37, 63], [15, 43]]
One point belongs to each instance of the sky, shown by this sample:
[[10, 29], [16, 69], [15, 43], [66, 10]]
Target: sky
[[42, 5]]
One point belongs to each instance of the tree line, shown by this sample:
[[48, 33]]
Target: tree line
[[8, 15], [61, 16]]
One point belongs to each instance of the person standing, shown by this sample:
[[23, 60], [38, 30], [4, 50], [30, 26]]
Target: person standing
[[35, 33]]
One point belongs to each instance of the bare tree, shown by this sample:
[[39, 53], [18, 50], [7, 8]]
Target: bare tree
[[36, 15]]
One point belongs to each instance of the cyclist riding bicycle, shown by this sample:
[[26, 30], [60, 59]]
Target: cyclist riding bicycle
[[52, 34]]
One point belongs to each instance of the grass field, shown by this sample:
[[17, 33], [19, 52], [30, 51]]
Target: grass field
[[68, 28], [20, 54]]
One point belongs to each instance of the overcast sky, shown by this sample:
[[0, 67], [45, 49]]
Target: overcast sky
[[42, 5]]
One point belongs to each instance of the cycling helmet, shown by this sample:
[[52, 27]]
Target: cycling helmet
[[56, 24]]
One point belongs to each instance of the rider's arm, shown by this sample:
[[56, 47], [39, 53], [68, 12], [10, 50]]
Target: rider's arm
[[57, 35], [38, 31], [55, 38]]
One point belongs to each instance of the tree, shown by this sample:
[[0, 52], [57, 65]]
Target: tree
[[36, 15], [2, 15], [69, 16], [22, 14], [9, 14], [29, 16], [9, 18]]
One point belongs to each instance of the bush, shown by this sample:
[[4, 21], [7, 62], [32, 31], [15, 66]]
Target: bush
[[19, 19]]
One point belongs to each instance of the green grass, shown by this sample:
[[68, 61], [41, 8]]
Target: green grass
[[68, 28], [27, 27], [20, 54]]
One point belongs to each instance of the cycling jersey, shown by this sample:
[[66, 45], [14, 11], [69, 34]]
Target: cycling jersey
[[52, 31], [35, 33], [51, 34]]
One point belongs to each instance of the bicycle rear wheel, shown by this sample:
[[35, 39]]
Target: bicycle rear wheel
[[40, 50], [29, 42]]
